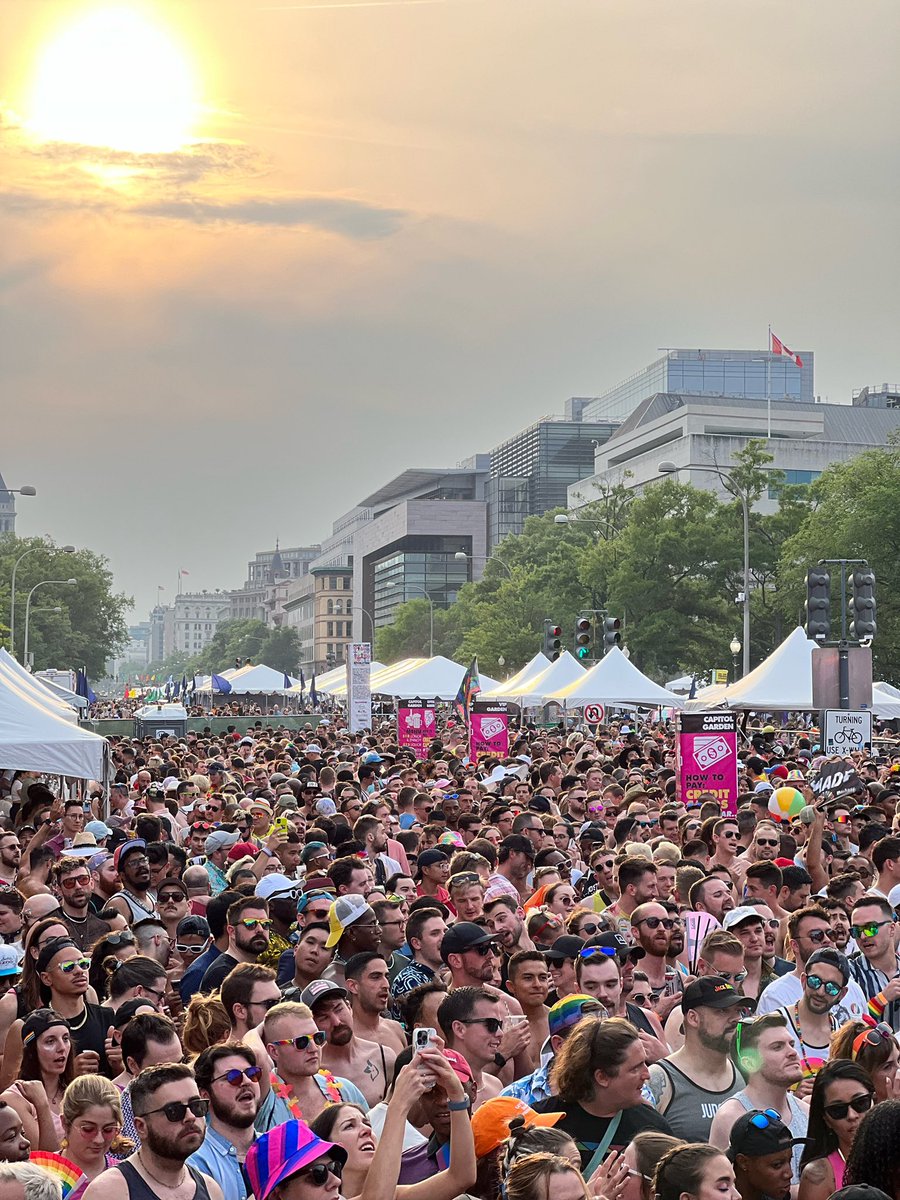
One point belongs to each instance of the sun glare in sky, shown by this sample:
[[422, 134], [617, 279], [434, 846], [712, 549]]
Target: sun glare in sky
[[113, 78]]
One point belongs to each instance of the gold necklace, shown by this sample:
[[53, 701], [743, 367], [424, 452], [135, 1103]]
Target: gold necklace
[[162, 1182]]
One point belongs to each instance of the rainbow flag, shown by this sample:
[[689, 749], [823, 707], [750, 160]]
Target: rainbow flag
[[65, 1172], [468, 690]]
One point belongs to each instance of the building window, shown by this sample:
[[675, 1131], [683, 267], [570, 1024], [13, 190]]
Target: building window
[[329, 629], [330, 607]]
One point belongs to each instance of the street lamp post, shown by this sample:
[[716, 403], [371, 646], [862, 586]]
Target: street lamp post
[[670, 468], [461, 556], [735, 649], [365, 612], [42, 583], [412, 587], [12, 594]]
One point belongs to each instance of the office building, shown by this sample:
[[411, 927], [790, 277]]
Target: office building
[[189, 624], [258, 599], [7, 509], [319, 607]]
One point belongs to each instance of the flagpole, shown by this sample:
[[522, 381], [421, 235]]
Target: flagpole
[[768, 388]]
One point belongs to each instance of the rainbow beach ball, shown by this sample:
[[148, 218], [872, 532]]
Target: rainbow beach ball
[[786, 802]]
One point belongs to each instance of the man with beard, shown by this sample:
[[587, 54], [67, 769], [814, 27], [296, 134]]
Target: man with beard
[[299, 1083], [689, 1085], [10, 858], [105, 878], [366, 977], [765, 1052], [169, 1117], [135, 901], [506, 921], [809, 929], [712, 895], [369, 1065], [812, 1019], [248, 937], [229, 1078], [651, 929]]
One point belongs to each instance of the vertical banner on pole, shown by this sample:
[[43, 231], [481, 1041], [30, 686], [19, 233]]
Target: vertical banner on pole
[[707, 758], [359, 694], [489, 726], [416, 725]]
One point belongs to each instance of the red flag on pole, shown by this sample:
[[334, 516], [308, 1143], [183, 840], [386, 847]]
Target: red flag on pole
[[778, 347]]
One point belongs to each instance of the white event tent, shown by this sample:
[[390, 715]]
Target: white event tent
[[258, 680], [377, 678], [332, 679], [507, 689], [12, 670], [35, 738], [545, 682], [614, 680], [437, 678]]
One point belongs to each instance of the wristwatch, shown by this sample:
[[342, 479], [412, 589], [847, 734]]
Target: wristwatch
[[500, 1060]]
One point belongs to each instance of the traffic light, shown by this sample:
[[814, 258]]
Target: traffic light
[[611, 633], [552, 640], [818, 604], [862, 605], [584, 636], [237, 664]]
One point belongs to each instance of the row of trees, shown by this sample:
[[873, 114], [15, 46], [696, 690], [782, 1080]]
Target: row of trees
[[245, 640], [90, 626], [669, 562]]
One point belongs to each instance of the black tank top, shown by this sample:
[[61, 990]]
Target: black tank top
[[139, 1189]]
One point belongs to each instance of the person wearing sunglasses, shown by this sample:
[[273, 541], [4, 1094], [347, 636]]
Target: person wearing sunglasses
[[651, 930], [872, 1046], [228, 1076], [812, 1019], [808, 930], [74, 886], [472, 1023], [63, 969], [877, 969], [169, 1117], [841, 1096], [292, 1163], [248, 928]]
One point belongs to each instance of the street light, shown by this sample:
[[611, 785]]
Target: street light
[[735, 649], [461, 556], [670, 468], [26, 490], [12, 595], [412, 587], [365, 612], [42, 583]]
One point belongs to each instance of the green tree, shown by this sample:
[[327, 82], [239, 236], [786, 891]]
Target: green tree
[[90, 627], [853, 512], [241, 639], [410, 634], [280, 650]]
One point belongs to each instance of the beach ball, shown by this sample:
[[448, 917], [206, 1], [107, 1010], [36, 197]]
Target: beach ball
[[786, 802]]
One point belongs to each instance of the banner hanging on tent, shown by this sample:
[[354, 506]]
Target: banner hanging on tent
[[489, 729], [707, 758], [359, 693], [416, 725]]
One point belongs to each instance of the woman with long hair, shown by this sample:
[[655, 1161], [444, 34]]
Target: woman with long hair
[[540, 1176], [640, 1157], [92, 1124], [500, 1141], [28, 994], [47, 1058], [842, 1094], [120, 946], [874, 1048], [695, 1170], [875, 1157]]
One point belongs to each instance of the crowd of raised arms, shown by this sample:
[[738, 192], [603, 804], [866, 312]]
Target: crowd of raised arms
[[311, 966]]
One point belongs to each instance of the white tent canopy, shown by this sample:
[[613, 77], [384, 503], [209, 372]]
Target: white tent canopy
[[437, 678], [12, 669], [542, 684], [332, 679], [376, 678], [259, 680], [615, 680], [33, 738], [507, 689]]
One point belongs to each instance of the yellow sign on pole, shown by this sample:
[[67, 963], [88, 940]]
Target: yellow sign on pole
[[720, 675]]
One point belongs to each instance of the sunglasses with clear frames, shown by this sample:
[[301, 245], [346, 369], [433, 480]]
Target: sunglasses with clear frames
[[73, 881], [303, 1040]]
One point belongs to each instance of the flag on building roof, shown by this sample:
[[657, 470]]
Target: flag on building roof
[[778, 347], [468, 690]]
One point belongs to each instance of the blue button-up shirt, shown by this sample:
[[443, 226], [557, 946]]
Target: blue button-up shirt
[[218, 1159]]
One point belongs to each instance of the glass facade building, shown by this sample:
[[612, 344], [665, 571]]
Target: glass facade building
[[531, 472], [748, 374], [424, 565]]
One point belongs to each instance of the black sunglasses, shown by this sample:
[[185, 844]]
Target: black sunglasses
[[318, 1173], [176, 1110], [859, 1104], [491, 1024]]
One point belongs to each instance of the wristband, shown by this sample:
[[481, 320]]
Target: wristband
[[500, 1060], [458, 1105], [266, 851]]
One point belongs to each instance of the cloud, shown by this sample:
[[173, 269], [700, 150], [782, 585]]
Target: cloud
[[350, 218]]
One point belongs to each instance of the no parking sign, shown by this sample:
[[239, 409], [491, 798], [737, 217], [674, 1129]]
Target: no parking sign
[[594, 714]]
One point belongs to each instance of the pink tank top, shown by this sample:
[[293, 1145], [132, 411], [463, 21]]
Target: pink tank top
[[837, 1165]]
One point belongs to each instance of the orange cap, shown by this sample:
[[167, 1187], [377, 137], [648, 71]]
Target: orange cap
[[490, 1122]]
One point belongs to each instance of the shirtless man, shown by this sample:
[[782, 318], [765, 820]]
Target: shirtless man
[[370, 1065], [367, 982]]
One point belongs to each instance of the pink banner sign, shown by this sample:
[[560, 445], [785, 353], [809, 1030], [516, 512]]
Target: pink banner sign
[[707, 758], [416, 726], [489, 730]]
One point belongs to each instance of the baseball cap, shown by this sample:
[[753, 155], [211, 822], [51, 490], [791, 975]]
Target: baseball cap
[[126, 848], [326, 807], [242, 850], [429, 858], [374, 757], [490, 1122], [276, 884], [758, 1133], [312, 850], [39, 1022], [566, 946], [283, 1151], [568, 1012], [831, 958], [737, 916], [199, 926], [220, 839], [96, 861], [218, 767], [344, 911], [9, 961], [318, 990], [313, 748], [711, 991], [461, 1068], [98, 828], [462, 936], [156, 789]]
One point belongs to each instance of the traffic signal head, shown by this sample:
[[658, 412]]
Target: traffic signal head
[[862, 605], [583, 637], [611, 632], [552, 640], [818, 604]]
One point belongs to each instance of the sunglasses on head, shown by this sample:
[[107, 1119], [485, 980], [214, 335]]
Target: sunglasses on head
[[177, 1110], [68, 967], [831, 989], [122, 938], [879, 1033], [318, 1173], [859, 1104], [591, 952], [762, 1120], [303, 1040], [236, 1076]]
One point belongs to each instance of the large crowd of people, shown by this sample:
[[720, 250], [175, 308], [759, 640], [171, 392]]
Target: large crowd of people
[[311, 966]]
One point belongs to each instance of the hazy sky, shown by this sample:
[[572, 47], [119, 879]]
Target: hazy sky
[[410, 229]]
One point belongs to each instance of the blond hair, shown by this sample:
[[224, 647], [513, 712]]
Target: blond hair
[[530, 1177], [206, 1023], [94, 1091]]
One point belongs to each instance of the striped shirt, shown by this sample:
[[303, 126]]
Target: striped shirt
[[873, 982]]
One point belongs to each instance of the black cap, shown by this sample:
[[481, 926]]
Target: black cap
[[859, 1191], [566, 946], [711, 991], [429, 858], [462, 936], [758, 1133], [592, 832], [831, 958], [199, 926], [539, 804]]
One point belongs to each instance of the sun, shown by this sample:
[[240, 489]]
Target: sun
[[114, 79]]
